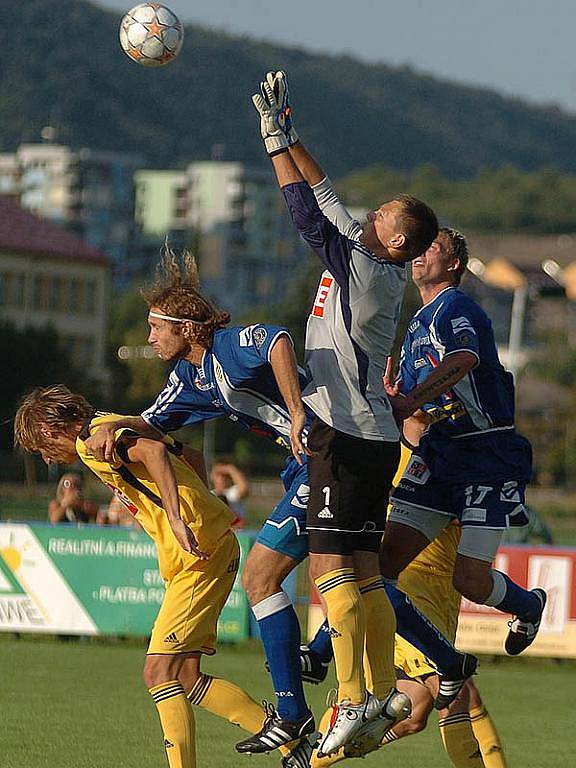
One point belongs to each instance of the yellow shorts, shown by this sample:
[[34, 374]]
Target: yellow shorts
[[188, 616], [432, 592], [410, 661]]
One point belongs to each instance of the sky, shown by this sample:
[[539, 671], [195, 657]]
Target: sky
[[517, 47]]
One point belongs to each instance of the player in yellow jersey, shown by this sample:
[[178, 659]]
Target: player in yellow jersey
[[162, 484]]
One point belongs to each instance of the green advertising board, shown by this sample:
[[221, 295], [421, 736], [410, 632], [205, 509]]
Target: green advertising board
[[91, 580]]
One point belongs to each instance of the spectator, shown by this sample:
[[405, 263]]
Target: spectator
[[229, 483], [116, 513], [70, 506]]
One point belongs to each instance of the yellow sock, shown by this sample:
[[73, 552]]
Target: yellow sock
[[488, 738], [380, 629], [227, 700], [459, 741], [347, 620], [177, 720], [230, 702]]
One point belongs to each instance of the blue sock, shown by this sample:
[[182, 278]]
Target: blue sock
[[321, 644], [508, 597], [280, 632], [413, 626]]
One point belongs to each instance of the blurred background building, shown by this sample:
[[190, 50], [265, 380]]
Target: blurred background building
[[49, 277], [232, 217], [90, 193]]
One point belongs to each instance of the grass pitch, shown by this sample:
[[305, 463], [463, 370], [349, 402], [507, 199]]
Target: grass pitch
[[83, 705]]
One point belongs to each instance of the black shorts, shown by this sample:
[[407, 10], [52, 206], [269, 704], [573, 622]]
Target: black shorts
[[350, 480]]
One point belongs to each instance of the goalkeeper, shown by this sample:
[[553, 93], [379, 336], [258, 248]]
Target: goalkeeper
[[354, 437]]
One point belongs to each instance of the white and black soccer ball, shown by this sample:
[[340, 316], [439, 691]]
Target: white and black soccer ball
[[151, 34]]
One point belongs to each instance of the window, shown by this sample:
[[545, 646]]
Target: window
[[54, 294], [90, 297], [40, 292]]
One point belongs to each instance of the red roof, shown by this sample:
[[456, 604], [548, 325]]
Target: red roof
[[23, 232]]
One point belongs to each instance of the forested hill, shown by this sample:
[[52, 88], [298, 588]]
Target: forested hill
[[60, 60]]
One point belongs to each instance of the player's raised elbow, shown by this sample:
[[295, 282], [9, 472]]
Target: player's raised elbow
[[464, 360], [148, 450]]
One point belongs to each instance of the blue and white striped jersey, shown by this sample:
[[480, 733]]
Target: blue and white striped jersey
[[352, 323], [472, 431], [234, 380]]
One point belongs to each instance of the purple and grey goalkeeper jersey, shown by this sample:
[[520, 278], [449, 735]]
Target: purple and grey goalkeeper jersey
[[353, 320]]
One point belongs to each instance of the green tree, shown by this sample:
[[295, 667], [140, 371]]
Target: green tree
[[33, 357], [503, 199]]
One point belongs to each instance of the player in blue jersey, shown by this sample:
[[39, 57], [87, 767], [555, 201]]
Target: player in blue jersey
[[354, 437], [471, 464]]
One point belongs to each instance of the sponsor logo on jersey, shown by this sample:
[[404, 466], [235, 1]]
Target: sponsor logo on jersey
[[334, 632], [132, 508], [414, 325], [321, 296], [474, 515], [416, 471], [420, 363], [420, 341], [201, 383]]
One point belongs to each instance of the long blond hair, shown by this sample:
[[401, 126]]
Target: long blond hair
[[54, 407], [176, 291]]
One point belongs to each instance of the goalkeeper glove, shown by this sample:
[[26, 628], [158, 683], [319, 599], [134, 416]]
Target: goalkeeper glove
[[279, 84], [271, 121]]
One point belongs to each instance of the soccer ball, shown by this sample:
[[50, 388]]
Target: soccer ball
[[151, 34]]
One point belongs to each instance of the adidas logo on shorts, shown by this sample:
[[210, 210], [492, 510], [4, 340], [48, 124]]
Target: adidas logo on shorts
[[325, 513], [171, 638], [167, 744]]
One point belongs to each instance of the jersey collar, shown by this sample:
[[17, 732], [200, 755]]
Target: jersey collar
[[442, 292]]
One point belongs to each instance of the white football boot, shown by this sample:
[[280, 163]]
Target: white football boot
[[395, 707], [346, 721]]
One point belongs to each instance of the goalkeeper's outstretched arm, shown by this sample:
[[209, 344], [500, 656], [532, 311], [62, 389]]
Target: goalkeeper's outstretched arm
[[309, 168]]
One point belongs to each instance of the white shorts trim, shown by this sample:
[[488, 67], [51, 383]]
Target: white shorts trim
[[480, 543], [429, 522]]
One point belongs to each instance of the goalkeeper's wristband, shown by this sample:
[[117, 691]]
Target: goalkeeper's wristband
[[293, 137], [276, 143]]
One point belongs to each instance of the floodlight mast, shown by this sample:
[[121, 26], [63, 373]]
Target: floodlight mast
[[517, 315]]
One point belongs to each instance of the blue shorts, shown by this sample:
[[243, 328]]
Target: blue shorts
[[492, 504], [285, 530]]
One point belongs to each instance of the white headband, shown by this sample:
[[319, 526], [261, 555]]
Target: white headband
[[167, 317]]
